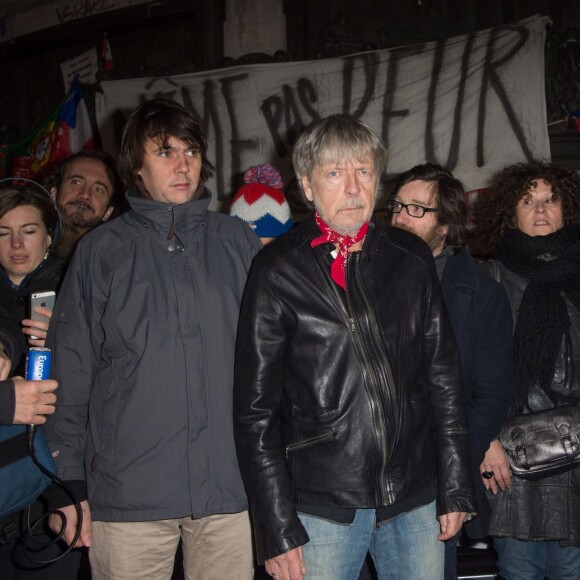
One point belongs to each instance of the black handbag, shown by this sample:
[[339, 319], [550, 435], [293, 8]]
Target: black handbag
[[542, 443]]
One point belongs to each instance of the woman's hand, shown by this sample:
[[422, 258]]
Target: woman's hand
[[496, 462], [37, 328]]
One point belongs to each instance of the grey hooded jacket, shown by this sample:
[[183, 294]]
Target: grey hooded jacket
[[143, 337]]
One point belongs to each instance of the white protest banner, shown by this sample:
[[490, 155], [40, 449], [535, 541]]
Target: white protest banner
[[472, 103]]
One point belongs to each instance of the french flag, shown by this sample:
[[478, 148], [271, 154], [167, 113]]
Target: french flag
[[75, 131]]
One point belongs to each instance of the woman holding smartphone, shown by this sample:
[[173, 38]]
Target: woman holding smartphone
[[29, 224], [28, 227]]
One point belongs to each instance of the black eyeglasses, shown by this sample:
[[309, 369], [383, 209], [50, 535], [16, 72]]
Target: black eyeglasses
[[412, 209]]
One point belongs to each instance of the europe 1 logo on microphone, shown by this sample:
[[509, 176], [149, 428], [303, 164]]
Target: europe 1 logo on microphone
[[38, 361]]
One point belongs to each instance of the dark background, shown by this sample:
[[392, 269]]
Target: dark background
[[168, 37]]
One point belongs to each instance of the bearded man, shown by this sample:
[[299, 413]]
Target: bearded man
[[430, 201], [348, 400], [87, 189]]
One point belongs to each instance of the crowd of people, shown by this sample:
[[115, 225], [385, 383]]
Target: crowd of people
[[298, 396]]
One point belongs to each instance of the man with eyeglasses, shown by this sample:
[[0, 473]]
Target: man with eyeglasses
[[430, 202], [348, 404]]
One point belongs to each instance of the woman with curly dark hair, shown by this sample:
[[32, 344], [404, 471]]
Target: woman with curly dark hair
[[531, 221], [496, 212]]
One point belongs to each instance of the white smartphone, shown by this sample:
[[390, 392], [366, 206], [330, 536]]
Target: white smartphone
[[44, 299]]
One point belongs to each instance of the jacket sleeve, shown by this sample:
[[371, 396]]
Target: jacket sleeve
[[263, 333], [7, 402], [75, 338], [12, 339], [491, 391], [447, 396]]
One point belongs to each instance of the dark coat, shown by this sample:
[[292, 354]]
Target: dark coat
[[346, 399], [12, 340], [14, 301], [549, 508], [482, 322]]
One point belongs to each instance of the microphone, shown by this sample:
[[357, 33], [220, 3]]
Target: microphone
[[38, 361]]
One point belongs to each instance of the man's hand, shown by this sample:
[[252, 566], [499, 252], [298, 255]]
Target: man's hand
[[38, 328], [451, 524], [34, 400], [496, 462], [287, 566], [70, 513], [5, 364]]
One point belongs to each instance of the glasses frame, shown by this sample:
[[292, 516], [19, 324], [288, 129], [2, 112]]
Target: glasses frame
[[394, 202]]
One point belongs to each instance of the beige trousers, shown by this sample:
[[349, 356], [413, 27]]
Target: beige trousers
[[214, 548]]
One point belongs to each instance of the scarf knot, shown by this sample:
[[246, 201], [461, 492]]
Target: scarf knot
[[338, 267]]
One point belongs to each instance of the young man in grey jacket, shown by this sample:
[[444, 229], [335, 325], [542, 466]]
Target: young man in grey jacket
[[143, 337]]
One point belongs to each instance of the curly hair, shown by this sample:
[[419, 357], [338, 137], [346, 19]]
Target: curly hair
[[495, 210]]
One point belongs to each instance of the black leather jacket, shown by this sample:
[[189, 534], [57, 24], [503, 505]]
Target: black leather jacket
[[552, 500], [346, 399]]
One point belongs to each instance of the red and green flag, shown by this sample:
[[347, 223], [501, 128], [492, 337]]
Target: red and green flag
[[66, 131]]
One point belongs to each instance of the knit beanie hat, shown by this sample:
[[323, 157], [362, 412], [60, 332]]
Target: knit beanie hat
[[261, 202]]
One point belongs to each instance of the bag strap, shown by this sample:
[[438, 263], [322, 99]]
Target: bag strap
[[496, 270], [13, 449]]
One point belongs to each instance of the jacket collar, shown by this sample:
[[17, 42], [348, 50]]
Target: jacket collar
[[312, 231], [165, 215], [48, 266], [459, 270]]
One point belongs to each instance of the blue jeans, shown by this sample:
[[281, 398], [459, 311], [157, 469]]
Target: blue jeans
[[404, 547], [522, 560]]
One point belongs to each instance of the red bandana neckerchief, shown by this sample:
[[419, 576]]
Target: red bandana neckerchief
[[338, 267]]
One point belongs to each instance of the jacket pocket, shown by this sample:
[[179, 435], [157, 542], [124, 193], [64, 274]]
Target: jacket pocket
[[310, 442], [108, 408]]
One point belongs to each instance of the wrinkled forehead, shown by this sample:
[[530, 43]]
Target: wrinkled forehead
[[340, 154], [88, 168]]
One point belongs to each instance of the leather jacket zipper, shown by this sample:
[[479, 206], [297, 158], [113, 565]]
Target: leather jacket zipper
[[309, 442], [350, 320], [374, 381], [375, 334]]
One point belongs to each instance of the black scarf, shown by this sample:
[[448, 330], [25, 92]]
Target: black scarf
[[552, 265]]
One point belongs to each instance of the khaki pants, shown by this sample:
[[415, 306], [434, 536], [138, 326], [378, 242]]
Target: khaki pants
[[214, 548]]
